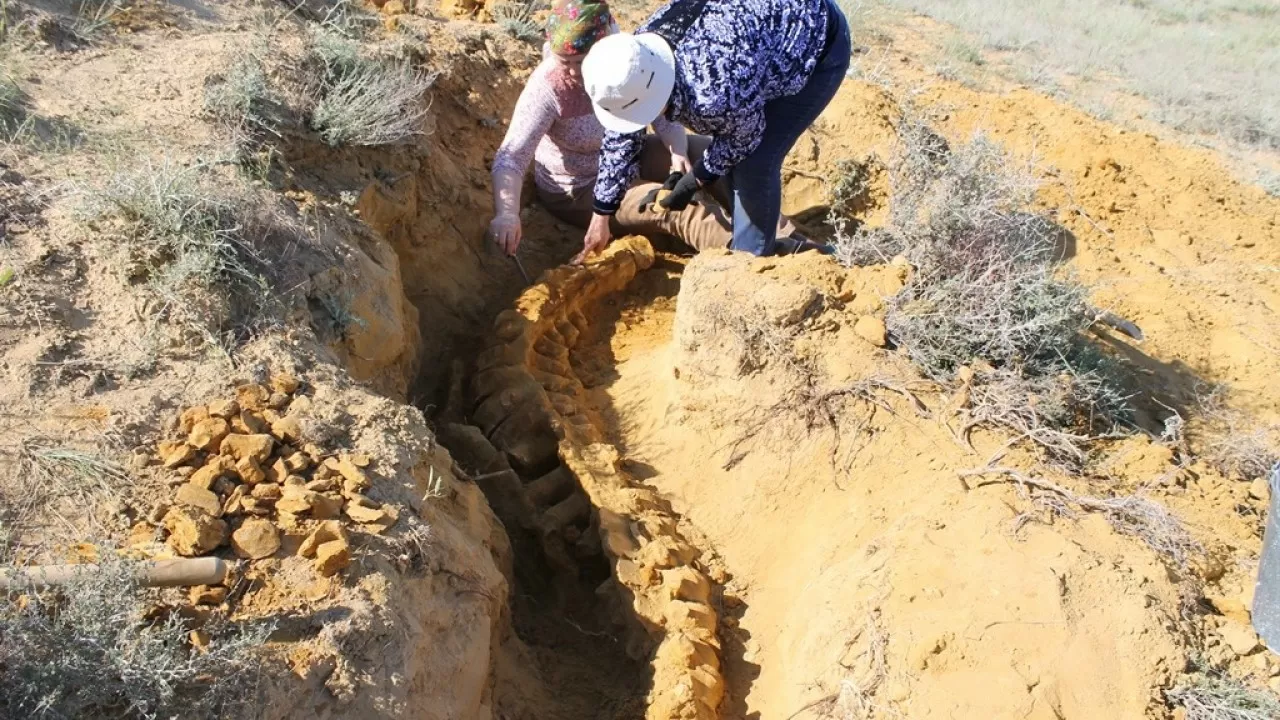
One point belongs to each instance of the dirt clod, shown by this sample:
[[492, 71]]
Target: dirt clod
[[328, 531], [198, 497], [218, 467], [253, 397], [332, 557], [225, 409], [207, 595], [872, 330], [175, 453], [250, 471], [257, 447], [194, 532], [256, 539], [208, 434], [287, 428], [1240, 638], [191, 416], [285, 383]]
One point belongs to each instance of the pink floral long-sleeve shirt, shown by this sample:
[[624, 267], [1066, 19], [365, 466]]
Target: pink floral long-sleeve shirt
[[553, 125]]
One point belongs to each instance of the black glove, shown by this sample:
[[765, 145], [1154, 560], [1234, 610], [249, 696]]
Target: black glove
[[652, 196], [682, 194]]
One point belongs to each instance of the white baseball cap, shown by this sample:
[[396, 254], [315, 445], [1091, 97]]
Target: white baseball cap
[[629, 78]]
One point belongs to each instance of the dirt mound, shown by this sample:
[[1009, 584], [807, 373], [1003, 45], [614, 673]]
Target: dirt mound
[[888, 583]]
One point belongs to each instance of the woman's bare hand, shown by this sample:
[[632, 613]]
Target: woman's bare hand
[[681, 164], [597, 237], [505, 231]]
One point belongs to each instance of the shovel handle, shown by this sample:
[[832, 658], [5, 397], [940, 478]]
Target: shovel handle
[[180, 572]]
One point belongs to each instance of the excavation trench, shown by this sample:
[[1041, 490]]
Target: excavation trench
[[609, 596]]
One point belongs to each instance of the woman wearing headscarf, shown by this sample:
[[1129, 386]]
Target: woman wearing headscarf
[[553, 127], [752, 74]]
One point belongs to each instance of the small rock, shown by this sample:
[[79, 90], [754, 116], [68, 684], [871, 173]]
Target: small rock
[[256, 539], [278, 401], [872, 330], [266, 491], [225, 409], [200, 640], [252, 397], [271, 416], [207, 595], [323, 485], [250, 471], [297, 500], [1231, 607], [184, 473], [141, 534], [249, 423], [217, 468], [297, 462], [256, 506], [278, 471], [224, 486], [393, 8], [156, 516], [1259, 489], [332, 557], [285, 383], [1274, 684], [314, 452], [208, 434], [191, 416], [235, 499], [295, 481], [685, 583], [240, 447], [287, 429], [362, 514], [350, 472], [329, 506], [327, 532], [175, 453], [1239, 637], [194, 532], [362, 501], [198, 497]]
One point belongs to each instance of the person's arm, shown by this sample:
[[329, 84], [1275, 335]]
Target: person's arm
[[673, 135], [534, 115], [740, 137], [618, 167]]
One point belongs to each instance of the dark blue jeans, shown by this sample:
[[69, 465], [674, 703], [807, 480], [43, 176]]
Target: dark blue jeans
[[757, 180]]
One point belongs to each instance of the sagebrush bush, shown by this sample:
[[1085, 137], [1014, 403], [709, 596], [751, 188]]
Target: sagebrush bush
[[986, 290], [517, 19], [364, 100], [195, 247], [91, 649], [240, 98], [13, 107], [1216, 698]]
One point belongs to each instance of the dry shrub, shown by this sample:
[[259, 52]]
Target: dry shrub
[[1214, 698], [517, 18], [241, 100], [90, 649], [1233, 443], [204, 253], [987, 293], [363, 100]]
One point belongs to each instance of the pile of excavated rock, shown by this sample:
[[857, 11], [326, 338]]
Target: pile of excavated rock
[[246, 476]]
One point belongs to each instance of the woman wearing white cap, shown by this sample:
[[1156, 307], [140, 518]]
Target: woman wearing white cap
[[752, 74], [553, 127]]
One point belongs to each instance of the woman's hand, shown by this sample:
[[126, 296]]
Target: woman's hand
[[597, 237], [505, 231], [681, 164]]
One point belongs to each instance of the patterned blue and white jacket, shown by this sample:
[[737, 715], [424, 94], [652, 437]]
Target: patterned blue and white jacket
[[737, 56]]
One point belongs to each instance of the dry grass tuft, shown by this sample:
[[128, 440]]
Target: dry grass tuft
[[1132, 515], [1213, 698], [517, 18], [363, 100], [987, 297], [1234, 444], [92, 649]]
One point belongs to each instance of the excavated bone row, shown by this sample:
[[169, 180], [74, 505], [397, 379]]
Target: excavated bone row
[[532, 406]]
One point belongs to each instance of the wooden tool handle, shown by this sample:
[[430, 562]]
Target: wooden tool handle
[[155, 573]]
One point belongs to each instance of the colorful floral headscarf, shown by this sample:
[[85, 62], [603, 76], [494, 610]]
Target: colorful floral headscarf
[[575, 25]]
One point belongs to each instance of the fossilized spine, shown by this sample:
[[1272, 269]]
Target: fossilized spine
[[530, 403]]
